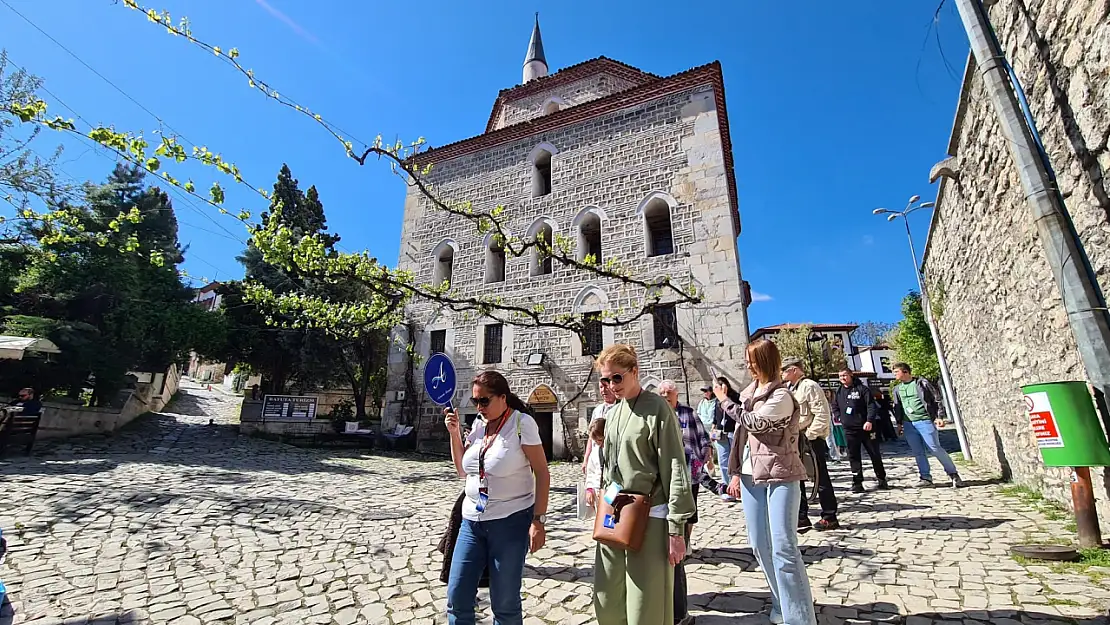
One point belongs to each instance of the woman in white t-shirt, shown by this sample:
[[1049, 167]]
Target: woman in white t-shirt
[[505, 510]]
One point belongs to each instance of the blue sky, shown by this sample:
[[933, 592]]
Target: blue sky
[[834, 108]]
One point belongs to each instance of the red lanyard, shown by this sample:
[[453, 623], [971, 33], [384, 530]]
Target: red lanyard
[[487, 442]]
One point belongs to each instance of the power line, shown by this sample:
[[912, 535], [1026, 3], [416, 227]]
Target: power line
[[189, 202], [93, 70]]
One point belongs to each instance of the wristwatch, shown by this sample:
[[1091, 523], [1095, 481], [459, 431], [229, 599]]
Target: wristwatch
[[542, 518]]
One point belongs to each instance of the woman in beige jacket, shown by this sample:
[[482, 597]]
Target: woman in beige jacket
[[766, 473]]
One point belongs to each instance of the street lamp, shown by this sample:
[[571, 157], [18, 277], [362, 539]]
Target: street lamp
[[814, 337], [912, 206]]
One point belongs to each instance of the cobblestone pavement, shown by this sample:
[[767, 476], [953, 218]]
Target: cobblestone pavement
[[177, 521]]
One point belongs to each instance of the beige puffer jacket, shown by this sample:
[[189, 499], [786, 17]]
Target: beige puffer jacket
[[772, 436]]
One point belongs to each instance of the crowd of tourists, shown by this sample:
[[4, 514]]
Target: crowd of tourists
[[647, 458]]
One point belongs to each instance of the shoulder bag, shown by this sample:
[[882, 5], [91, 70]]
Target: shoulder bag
[[622, 524]]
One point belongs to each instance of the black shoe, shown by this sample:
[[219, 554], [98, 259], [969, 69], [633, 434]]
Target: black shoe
[[804, 526], [858, 488], [883, 485], [825, 525]]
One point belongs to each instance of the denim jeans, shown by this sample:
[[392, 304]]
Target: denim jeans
[[724, 444], [924, 439], [503, 545], [771, 514]]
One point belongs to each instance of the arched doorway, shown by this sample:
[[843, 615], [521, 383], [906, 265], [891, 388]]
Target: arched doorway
[[545, 405]]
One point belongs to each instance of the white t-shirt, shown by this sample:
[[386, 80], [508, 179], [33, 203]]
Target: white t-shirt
[[512, 487]]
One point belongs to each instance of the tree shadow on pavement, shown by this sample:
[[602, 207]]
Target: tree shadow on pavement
[[929, 523], [750, 608], [861, 506], [561, 573], [745, 558]]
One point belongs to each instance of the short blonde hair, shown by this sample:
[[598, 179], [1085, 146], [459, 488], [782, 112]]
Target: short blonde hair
[[620, 355]]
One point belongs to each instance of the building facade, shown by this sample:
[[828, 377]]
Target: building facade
[[997, 308], [627, 166], [208, 298]]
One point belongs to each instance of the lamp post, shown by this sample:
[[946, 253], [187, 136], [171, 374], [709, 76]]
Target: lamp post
[[913, 205], [814, 337]]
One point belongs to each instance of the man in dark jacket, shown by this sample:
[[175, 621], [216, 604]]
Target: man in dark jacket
[[855, 409]]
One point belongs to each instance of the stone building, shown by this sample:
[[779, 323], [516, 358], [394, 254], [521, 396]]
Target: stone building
[[629, 166], [1000, 316]]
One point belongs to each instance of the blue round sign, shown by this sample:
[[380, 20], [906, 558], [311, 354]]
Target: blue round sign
[[439, 379]]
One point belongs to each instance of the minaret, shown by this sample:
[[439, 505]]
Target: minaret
[[535, 64]]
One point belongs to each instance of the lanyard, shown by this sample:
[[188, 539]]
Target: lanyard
[[487, 442], [620, 438]]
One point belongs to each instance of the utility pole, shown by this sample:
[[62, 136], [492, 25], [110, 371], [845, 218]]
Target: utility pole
[[1082, 297], [945, 379]]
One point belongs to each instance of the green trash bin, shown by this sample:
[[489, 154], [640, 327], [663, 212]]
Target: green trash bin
[[1066, 425]]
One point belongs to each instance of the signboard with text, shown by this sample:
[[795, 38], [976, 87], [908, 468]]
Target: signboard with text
[[288, 407], [1045, 428]]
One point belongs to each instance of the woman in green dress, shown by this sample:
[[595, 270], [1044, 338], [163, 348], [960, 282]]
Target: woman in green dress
[[643, 454]]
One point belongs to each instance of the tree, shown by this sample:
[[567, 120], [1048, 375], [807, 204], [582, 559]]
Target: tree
[[267, 341], [871, 332], [824, 358], [309, 258], [25, 177], [279, 342], [113, 301], [913, 341]]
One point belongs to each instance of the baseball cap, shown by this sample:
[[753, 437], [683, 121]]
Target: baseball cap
[[792, 362]]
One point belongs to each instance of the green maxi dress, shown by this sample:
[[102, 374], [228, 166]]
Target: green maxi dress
[[643, 451]]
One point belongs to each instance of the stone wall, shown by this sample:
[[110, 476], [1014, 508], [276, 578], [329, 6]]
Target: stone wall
[[61, 420], [1000, 315], [669, 148]]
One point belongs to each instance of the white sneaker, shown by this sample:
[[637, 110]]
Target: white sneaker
[[727, 498]]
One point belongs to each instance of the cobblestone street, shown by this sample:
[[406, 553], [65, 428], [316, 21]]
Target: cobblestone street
[[178, 521]]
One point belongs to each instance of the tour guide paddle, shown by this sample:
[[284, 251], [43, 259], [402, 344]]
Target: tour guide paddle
[[439, 379]]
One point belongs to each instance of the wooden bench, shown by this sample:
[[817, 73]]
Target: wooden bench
[[14, 426]]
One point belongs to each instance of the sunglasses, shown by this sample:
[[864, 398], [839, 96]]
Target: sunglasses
[[616, 378], [480, 401]]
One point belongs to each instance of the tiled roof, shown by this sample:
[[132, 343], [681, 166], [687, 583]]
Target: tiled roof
[[823, 327], [652, 89]]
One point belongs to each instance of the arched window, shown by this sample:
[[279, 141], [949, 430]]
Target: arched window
[[588, 226], [543, 231], [541, 168], [443, 262], [591, 302], [495, 260], [655, 210]]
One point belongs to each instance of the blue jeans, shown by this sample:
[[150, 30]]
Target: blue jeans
[[923, 437], [502, 545], [771, 514], [723, 444]]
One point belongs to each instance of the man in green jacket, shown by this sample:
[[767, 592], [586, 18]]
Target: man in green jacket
[[917, 403]]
